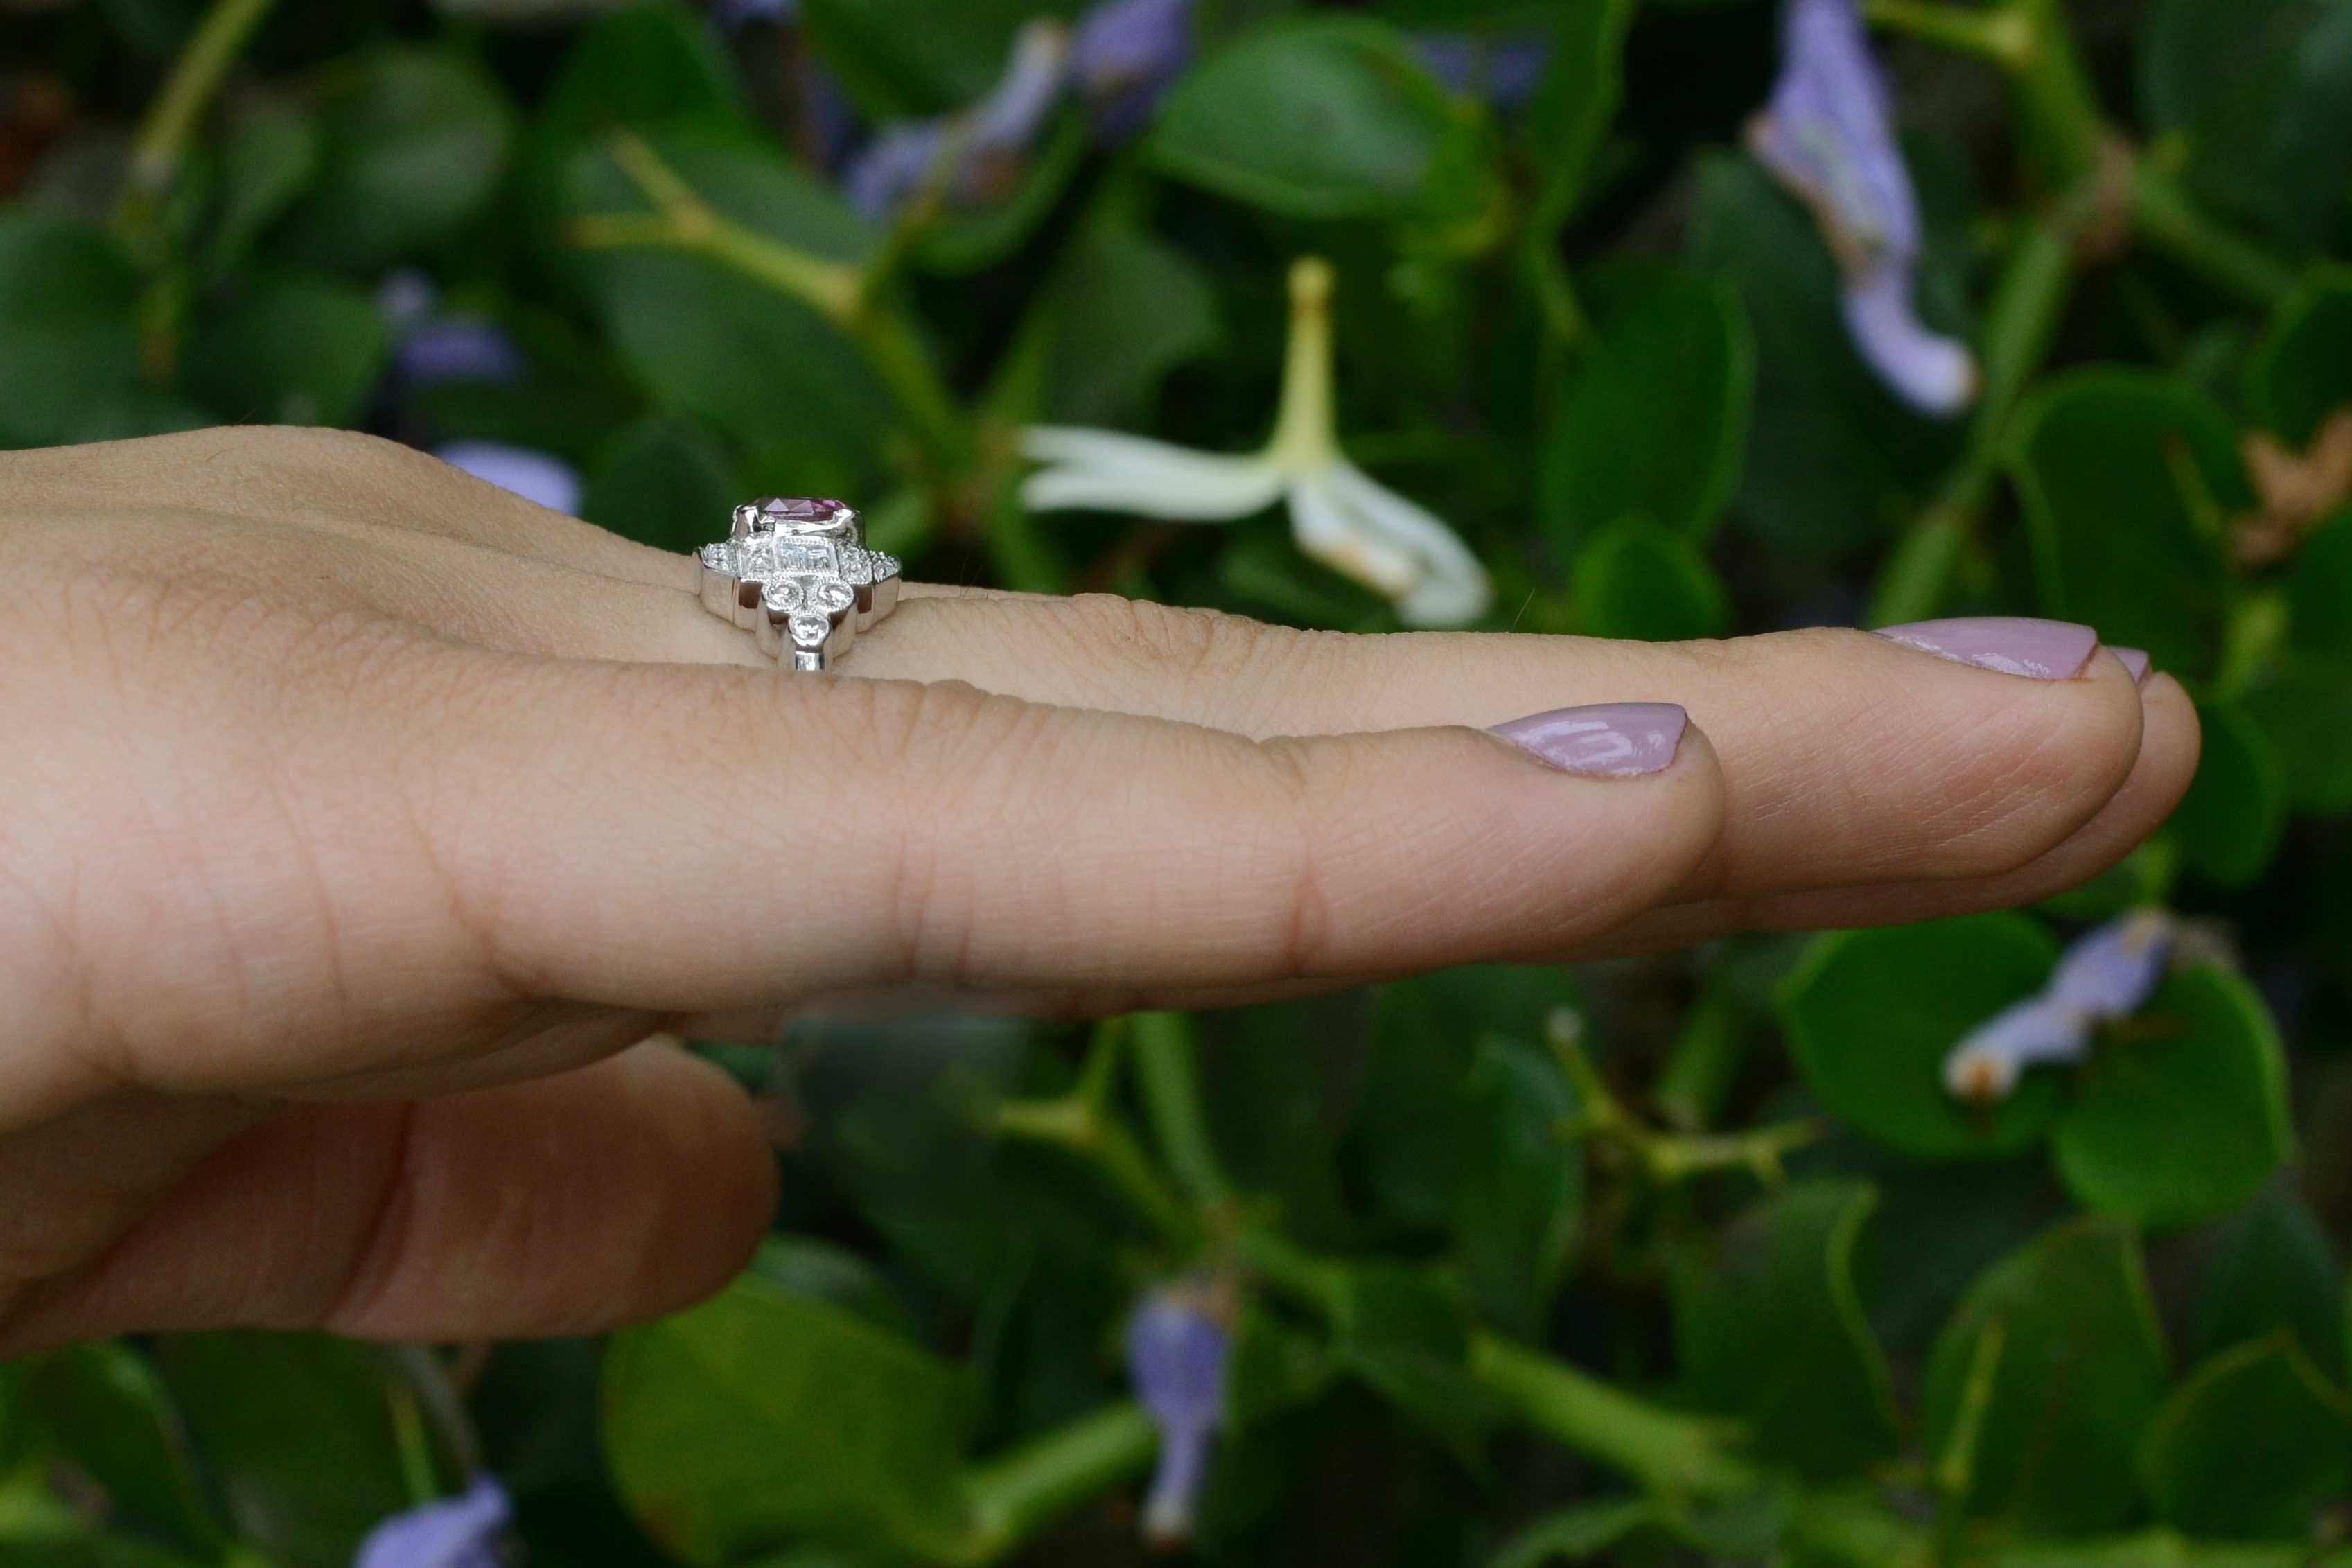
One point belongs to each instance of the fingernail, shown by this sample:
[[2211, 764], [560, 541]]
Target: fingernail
[[2013, 644], [2135, 659], [1606, 740]]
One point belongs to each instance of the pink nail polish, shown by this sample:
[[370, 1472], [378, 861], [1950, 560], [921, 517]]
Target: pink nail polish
[[2136, 660], [2013, 644], [1605, 740]]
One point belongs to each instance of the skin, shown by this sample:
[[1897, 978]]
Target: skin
[[364, 828]]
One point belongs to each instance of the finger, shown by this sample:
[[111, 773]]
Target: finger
[[566, 1205], [687, 841], [332, 479], [1848, 758]]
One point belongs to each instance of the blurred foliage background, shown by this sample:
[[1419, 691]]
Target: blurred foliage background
[[1591, 316]]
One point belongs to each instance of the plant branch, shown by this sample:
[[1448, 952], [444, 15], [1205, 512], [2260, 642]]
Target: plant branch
[[1016, 1494], [161, 140], [2170, 221], [1167, 1073], [1070, 1123]]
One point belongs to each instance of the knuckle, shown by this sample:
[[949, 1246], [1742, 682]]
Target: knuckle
[[1186, 642], [1298, 779]]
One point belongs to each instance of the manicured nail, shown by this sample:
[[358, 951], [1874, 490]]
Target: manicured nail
[[2135, 659], [2013, 644], [1607, 740]]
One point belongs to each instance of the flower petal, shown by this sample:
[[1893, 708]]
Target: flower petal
[[2110, 973], [1352, 523], [1828, 133], [1105, 470], [1933, 373], [533, 475], [1985, 1066], [455, 1532]]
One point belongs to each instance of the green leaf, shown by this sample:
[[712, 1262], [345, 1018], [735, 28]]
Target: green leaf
[[2214, 72], [1271, 1368], [662, 481], [903, 58], [2310, 141], [1583, 85], [2303, 708], [267, 159], [303, 1434], [1519, 1182], [1654, 420], [2301, 371], [290, 349], [661, 62], [70, 354], [965, 236], [1327, 117], [1834, 461], [416, 144], [2126, 476], [806, 1267], [1783, 1276], [1872, 1014], [2317, 590], [764, 1414], [2080, 1374], [2253, 1443], [2273, 1267], [690, 327], [1637, 580], [1576, 1534], [107, 1550], [109, 1415], [1125, 309], [1403, 1333], [2229, 823], [2182, 1114]]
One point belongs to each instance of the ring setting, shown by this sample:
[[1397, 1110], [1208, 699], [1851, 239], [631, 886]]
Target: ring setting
[[794, 572]]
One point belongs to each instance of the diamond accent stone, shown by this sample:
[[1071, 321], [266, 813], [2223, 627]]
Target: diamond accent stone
[[810, 631]]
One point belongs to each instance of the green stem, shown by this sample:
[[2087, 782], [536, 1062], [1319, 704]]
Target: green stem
[[1703, 1065], [1167, 1073], [2065, 133], [2002, 35], [1070, 1123], [1681, 1456], [1016, 1494], [2170, 221], [196, 76]]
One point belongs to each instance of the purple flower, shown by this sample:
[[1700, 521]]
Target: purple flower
[[2108, 974], [1828, 134], [534, 475], [976, 155], [460, 349], [1123, 55], [1505, 71], [731, 15], [1176, 1359], [455, 1532]]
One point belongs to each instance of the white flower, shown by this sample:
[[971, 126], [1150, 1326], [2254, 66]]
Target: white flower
[[1340, 516]]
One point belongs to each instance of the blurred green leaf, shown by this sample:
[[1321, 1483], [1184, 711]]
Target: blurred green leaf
[[2080, 1374], [1577, 1533], [1784, 1275], [2215, 72], [269, 156], [1125, 309], [764, 1414], [1652, 422], [2181, 1112], [1406, 1335], [2229, 823], [753, 362], [70, 358], [1637, 580], [110, 1416], [2318, 590], [662, 481], [654, 63], [1271, 1368], [299, 1431], [1327, 117], [1583, 85], [821, 1272], [906, 58], [2253, 1443], [1872, 1014], [415, 143], [2301, 371], [1519, 1182], [293, 348], [966, 236], [2303, 710], [1833, 462], [2126, 476], [2272, 1266], [2311, 144], [89, 1551]]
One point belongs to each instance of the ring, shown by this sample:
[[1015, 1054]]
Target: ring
[[795, 573]]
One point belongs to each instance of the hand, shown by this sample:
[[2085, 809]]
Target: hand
[[361, 823]]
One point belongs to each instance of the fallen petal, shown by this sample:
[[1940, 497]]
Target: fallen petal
[[1985, 1066], [1933, 373], [1444, 584], [1107, 471]]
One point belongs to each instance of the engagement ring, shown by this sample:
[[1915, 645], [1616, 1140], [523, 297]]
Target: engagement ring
[[795, 573]]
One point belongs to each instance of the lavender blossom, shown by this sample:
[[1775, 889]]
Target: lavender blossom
[[975, 155], [1123, 55], [431, 347], [2108, 974], [1828, 134], [730, 15], [1503, 71], [1176, 1359], [534, 475], [455, 1532]]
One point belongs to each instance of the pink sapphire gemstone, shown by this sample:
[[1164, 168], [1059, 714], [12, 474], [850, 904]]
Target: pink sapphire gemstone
[[801, 508]]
